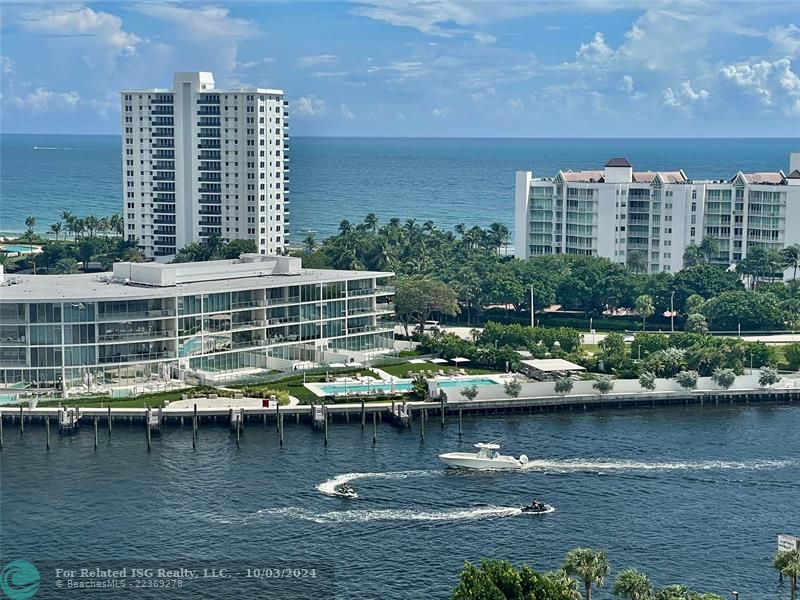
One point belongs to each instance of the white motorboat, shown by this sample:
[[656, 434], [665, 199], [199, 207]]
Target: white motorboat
[[487, 458]]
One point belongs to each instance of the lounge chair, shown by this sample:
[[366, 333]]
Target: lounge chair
[[462, 371]]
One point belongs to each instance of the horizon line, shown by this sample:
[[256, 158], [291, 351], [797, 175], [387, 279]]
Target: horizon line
[[466, 137]]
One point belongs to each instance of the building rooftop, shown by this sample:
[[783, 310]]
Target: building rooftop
[[768, 177], [793, 175], [618, 162], [666, 176], [583, 176], [156, 280]]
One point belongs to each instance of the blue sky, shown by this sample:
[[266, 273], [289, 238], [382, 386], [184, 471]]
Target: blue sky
[[585, 68]]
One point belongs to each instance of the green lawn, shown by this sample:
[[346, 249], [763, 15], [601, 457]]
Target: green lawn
[[145, 400]]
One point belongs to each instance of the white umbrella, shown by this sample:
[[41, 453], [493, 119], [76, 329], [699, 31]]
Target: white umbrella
[[337, 366], [438, 361], [417, 361], [459, 359]]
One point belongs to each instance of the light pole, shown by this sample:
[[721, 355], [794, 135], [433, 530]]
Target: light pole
[[533, 309], [672, 313]]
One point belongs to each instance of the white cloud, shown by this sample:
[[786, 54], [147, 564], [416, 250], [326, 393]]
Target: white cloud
[[484, 38], [627, 84], [440, 113], [42, 100], [347, 113], [691, 95], [7, 65], [255, 63], [785, 39], [684, 97], [205, 23], [81, 21], [773, 83], [596, 52], [308, 107], [320, 59], [516, 106]]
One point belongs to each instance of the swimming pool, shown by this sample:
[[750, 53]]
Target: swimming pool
[[15, 248], [465, 382], [400, 386]]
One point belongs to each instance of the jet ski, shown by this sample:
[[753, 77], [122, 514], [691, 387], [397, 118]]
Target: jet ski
[[537, 508], [345, 491]]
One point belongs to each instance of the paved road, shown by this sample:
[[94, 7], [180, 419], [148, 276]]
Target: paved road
[[596, 338]]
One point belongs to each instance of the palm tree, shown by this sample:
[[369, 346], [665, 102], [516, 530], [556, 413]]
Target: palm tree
[[30, 223], [371, 222], [66, 266], [91, 223], [78, 227], [117, 224], [633, 585], [791, 258], [310, 242], [709, 248], [133, 255], [499, 234], [636, 261], [55, 229], [692, 256], [103, 225], [589, 565], [345, 227], [460, 229], [645, 308], [565, 584], [787, 562]]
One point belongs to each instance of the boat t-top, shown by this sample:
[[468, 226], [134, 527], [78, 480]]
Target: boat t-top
[[487, 458]]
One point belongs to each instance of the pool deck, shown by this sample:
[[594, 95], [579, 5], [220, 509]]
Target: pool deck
[[387, 381]]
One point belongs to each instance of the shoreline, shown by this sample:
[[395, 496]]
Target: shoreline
[[414, 409]]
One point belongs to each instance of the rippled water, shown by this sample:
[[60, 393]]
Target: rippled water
[[694, 495]]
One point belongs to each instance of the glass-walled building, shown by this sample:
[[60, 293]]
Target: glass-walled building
[[167, 321]]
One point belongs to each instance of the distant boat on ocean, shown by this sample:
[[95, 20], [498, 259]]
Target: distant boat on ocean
[[49, 148]]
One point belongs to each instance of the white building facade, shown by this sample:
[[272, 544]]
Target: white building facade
[[146, 320], [200, 162], [648, 218]]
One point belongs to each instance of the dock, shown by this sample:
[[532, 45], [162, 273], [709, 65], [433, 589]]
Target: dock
[[402, 415]]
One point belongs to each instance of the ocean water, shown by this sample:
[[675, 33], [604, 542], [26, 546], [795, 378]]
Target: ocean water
[[696, 495], [446, 180]]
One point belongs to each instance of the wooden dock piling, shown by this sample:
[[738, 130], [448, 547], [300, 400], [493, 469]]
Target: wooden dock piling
[[47, 431], [363, 415], [109, 421], [194, 427], [374, 428], [422, 425], [442, 403], [95, 432], [1, 431], [460, 410], [21, 421], [148, 430], [325, 421], [280, 429]]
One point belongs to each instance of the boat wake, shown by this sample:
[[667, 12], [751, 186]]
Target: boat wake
[[601, 465], [329, 487], [390, 514]]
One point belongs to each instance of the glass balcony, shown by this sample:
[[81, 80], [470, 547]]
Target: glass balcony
[[120, 358]]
